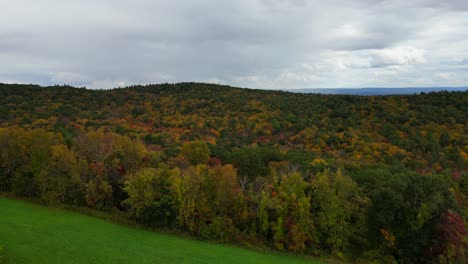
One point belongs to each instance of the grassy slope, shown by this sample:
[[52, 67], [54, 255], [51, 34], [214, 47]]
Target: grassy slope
[[38, 234]]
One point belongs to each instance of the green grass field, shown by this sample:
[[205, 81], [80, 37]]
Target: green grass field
[[38, 234]]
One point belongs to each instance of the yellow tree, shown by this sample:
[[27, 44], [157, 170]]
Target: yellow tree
[[59, 175], [197, 152]]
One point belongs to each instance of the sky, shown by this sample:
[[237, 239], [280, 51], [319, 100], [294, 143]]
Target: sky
[[266, 44]]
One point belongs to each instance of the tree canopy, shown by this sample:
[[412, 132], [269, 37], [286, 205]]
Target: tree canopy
[[366, 179]]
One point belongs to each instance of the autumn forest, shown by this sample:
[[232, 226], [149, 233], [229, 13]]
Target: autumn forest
[[362, 179]]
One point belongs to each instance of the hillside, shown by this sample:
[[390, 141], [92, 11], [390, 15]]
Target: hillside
[[322, 175], [67, 237], [392, 129]]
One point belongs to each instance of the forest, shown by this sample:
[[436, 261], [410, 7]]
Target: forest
[[363, 179]]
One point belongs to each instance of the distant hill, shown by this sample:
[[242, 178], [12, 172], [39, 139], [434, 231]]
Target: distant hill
[[376, 91]]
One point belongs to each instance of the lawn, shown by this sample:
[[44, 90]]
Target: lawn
[[36, 234]]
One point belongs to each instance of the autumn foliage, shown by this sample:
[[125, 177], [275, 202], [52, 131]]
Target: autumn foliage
[[364, 179]]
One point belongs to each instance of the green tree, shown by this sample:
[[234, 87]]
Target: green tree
[[406, 209], [339, 210], [149, 196], [197, 152]]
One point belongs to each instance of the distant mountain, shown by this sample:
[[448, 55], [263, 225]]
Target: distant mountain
[[377, 91]]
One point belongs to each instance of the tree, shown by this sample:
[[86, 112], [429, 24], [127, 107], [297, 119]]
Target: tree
[[197, 152], [225, 199], [225, 189], [130, 153], [206, 199], [450, 239], [190, 198], [253, 162], [149, 196], [406, 209], [59, 175], [99, 193], [284, 212], [339, 210], [38, 151], [13, 155], [96, 146]]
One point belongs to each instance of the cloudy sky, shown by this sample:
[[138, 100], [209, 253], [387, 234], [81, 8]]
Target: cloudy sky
[[268, 44]]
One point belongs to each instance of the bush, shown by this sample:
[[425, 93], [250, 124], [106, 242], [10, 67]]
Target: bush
[[220, 229]]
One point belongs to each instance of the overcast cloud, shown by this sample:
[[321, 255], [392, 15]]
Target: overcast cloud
[[268, 44]]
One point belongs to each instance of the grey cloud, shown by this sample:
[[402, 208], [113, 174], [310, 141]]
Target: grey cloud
[[262, 43]]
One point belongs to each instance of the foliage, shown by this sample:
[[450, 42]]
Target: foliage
[[375, 178], [149, 198], [99, 194], [197, 152], [450, 236], [340, 210], [408, 206], [285, 213], [56, 179]]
